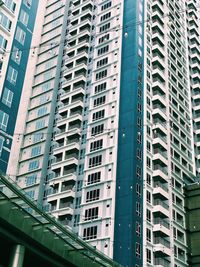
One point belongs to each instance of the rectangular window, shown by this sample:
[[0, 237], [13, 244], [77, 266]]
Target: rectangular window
[[7, 97], [105, 16], [5, 22], [31, 179], [10, 4], [105, 6], [31, 194], [104, 28], [38, 137], [16, 55], [90, 233], [3, 42], [103, 50], [138, 209], [20, 35], [97, 129], [99, 101], [104, 38], [39, 124], [3, 120], [95, 161], [102, 74], [35, 151], [33, 165], [98, 115], [24, 17], [91, 214], [99, 88], [12, 75], [102, 62], [42, 111], [138, 250], [96, 145], [148, 251], [93, 195], [1, 144], [138, 229], [94, 178]]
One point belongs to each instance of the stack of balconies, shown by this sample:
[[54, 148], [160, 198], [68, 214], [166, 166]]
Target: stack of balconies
[[69, 112], [194, 58]]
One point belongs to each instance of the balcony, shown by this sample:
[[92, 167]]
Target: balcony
[[162, 246], [160, 156], [160, 173], [161, 208], [159, 262], [161, 190], [161, 227]]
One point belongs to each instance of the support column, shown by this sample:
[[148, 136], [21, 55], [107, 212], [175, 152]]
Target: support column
[[17, 256]]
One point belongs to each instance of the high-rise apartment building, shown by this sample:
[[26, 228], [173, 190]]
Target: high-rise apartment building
[[17, 20], [104, 138]]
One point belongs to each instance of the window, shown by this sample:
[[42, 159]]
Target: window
[[138, 209], [5, 22], [97, 129], [104, 38], [139, 154], [1, 144], [31, 193], [78, 203], [95, 161], [7, 97], [138, 172], [105, 16], [102, 62], [24, 17], [3, 120], [16, 55], [94, 178], [102, 74], [10, 4], [30, 180], [92, 195], [20, 35], [90, 233], [137, 250], [3, 42], [91, 214], [12, 75], [103, 50], [138, 229], [105, 27], [42, 111], [99, 88], [148, 251], [37, 137], [99, 101], [148, 235], [148, 197], [33, 165], [28, 3], [105, 6], [39, 124], [138, 189], [96, 145], [35, 151], [98, 115], [148, 215]]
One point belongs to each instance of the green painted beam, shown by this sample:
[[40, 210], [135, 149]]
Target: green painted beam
[[21, 213]]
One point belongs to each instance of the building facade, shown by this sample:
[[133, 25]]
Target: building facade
[[17, 20], [104, 139]]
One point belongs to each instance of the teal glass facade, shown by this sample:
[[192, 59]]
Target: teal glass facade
[[128, 207]]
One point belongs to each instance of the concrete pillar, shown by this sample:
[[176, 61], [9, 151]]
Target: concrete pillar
[[17, 256]]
